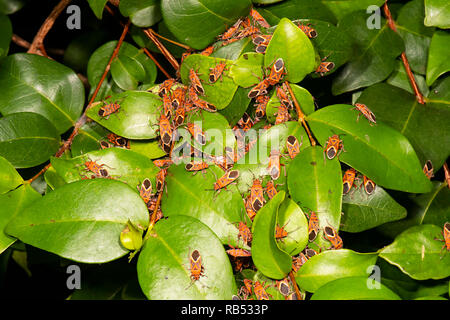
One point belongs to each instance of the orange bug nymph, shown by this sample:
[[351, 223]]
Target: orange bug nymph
[[369, 185], [366, 112], [428, 169], [334, 146], [197, 269], [348, 180]]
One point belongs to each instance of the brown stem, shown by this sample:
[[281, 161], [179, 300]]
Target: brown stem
[[447, 174], [149, 33], [301, 115], [294, 283], [157, 63], [38, 40], [412, 80], [171, 41], [83, 118]]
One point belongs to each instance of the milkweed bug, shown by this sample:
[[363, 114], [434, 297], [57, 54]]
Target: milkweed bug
[[244, 233], [207, 51], [118, 140], [260, 291], [274, 164], [259, 89], [105, 145], [162, 162], [365, 112], [216, 72], [184, 55], [310, 32], [428, 169], [165, 130], [161, 179], [246, 289], [196, 133], [165, 87], [195, 82], [280, 232], [276, 72], [196, 166], [256, 195], [168, 108], [145, 191], [246, 123], [334, 145], [226, 179], [298, 261], [197, 269], [293, 146], [348, 180], [228, 34], [283, 97], [96, 168], [284, 287], [251, 213], [309, 253], [261, 104], [179, 115], [247, 32], [256, 16], [282, 115], [261, 41], [151, 205], [108, 109], [331, 235], [446, 234], [369, 185], [202, 104], [313, 226], [324, 67], [238, 252], [178, 97], [270, 189]]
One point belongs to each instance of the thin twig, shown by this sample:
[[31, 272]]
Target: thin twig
[[301, 115], [412, 80], [171, 41], [447, 174], [149, 33], [82, 120], [157, 63], [294, 283], [38, 40]]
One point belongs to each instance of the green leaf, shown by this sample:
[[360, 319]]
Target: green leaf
[[123, 165], [247, 71], [27, 139], [13, 203], [9, 178], [353, 288], [143, 13], [254, 276], [363, 212], [127, 72], [266, 1], [437, 13], [164, 262], [237, 107], [331, 265], [97, 7], [293, 221], [81, 221], [222, 91], [316, 185], [291, 44], [88, 138], [197, 23], [194, 196], [415, 121], [11, 6], [374, 55], [32, 83], [416, 36], [5, 36], [417, 253], [150, 149], [344, 7], [377, 151], [268, 258], [399, 78], [137, 117], [53, 179], [234, 50], [439, 50]]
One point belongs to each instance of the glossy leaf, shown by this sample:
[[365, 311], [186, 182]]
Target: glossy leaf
[[437, 13], [222, 91], [81, 221], [97, 7], [143, 13], [268, 258], [374, 56], [234, 50], [415, 121], [235, 110], [291, 44], [417, 253], [27, 139], [270, 284], [164, 262], [5, 37], [439, 50], [88, 138], [127, 72], [9, 178], [32, 83], [331, 265], [13, 203], [316, 184], [197, 23], [377, 151], [416, 36], [195, 196], [53, 179], [363, 212], [248, 70], [123, 165], [137, 117], [354, 288], [399, 78]]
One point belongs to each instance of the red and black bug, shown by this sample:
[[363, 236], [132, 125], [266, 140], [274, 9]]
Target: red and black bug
[[196, 166], [195, 82], [119, 141], [282, 115], [259, 89], [365, 112], [105, 145], [257, 17], [260, 291], [256, 195], [298, 261], [283, 97], [226, 179], [309, 31], [276, 72], [261, 104], [161, 179], [165, 130], [197, 133], [274, 167], [108, 109], [446, 234], [284, 287], [331, 235], [428, 169], [369, 185], [166, 86], [313, 226], [270, 189], [96, 168], [178, 97], [145, 190], [228, 34], [334, 146], [216, 72], [238, 252], [196, 267], [293, 146], [348, 180], [207, 51]]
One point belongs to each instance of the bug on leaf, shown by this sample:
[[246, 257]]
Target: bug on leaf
[[226, 179], [313, 226], [145, 190], [298, 261], [168, 108], [283, 97], [260, 291], [261, 104], [310, 32], [246, 123], [256, 16], [362, 108], [207, 52], [238, 252], [274, 164], [369, 185], [165, 87], [256, 195], [280, 232], [179, 116], [217, 72], [261, 41], [195, 82], [197, 133], [293, 146], [108, 109], [348, 180], [247, 32], [283, 287], [270, 189], [282, 115], [202, 104], [228, 34], [196, 166], [331, 235], [428, 169], [196, 267], [105, 145], [118, 140], [446, 234], [334, 146], [162, 162], [251, 213], [165, 130], [178, 97], [259, 89], [309, 253], [244, 233], [276, 72], [161, 179], [324, 67], [96, 169]]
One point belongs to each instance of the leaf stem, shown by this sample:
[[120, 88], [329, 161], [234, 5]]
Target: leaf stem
[[171, 41], [294, 283], [157, 63], [301, 115], [150, 34], [447, 174], [412, 80]]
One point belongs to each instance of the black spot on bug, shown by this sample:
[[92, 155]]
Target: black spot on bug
[[245, 56], [312, 235], [103, 172], [346, 188], [313, 34], [195, 255], [284, 289], [212, 78], [279, 64], [331, 153], [233, 174], [147, 183], [101, 112], [329, 231]]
